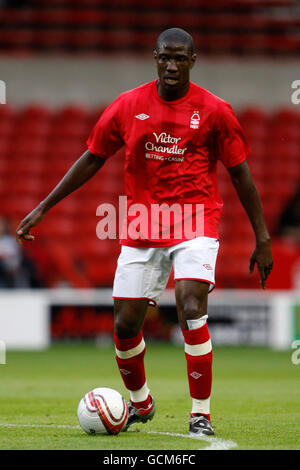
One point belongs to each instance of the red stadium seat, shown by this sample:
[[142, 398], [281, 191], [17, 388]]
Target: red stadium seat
[[26, 146], [5, 147], [32, 169], [50, 39], [19, 206], [7, 112], [253, 115], [88, 17], [60, 229], [18, 38], [35, 113], [85, 40], [94, 115], [65, 130], [51, 16], [71, 113], [68, 150], [130, 26]]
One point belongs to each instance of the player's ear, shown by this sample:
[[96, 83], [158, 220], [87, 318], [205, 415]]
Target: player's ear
[[193, 60], [155, 54]]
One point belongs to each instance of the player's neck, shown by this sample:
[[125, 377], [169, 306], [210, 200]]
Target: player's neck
[[172, 95]]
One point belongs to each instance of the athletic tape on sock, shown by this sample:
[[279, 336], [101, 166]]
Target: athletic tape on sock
[[196, 323]]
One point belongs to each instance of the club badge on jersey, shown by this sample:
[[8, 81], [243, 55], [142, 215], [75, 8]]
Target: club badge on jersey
[[195, 120]]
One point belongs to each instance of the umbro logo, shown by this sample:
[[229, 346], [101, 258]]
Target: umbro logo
[[142, 116], [195, 375], [125, 371], [208, 267]]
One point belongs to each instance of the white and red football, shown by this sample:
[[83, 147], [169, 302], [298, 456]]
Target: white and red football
[[102, 411]]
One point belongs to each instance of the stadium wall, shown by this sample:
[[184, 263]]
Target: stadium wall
[[236, 317], [58, 81]]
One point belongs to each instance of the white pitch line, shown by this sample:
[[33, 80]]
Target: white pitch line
[[56, 426], [215, 442]]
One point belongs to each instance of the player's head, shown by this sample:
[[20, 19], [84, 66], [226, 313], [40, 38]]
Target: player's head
[[175, 36], [175, 56]]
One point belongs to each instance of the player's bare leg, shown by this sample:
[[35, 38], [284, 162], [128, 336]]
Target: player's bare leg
[[129, 315], [191, 302], [130, 352]]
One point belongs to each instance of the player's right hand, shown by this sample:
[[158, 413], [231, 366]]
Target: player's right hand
[[31, 220]]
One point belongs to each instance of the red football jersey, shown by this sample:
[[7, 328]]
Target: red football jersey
[[172, 148]]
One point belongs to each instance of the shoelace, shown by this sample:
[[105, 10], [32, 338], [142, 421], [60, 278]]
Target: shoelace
[[132, 408], [196, 419]]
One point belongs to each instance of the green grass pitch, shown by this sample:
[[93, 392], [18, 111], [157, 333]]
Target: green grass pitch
[[255, 401]]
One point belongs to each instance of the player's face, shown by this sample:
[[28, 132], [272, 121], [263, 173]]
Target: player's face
[[174, 62]]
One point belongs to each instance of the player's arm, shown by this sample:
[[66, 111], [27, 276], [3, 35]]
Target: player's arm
[[246, 190], [82, 170]]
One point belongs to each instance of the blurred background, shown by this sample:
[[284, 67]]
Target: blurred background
[[63, 62]]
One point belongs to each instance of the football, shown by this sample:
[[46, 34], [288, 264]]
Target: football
[[102, 411]]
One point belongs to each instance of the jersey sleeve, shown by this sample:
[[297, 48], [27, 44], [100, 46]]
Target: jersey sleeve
[[105, 138], [232, 147]]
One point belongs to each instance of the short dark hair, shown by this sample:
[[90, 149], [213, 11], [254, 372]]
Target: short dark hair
[[176, 35]]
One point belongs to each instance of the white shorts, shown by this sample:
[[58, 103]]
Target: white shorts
[[143, 273]]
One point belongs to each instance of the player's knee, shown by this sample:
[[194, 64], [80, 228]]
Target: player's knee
[[129, 318], [125, 328], [192, 310]]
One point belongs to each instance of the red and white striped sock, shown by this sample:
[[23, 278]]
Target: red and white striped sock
[[198, 353], [130, 354]]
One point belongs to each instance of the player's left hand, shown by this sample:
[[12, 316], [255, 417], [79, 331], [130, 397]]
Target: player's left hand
[[262, 256]]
